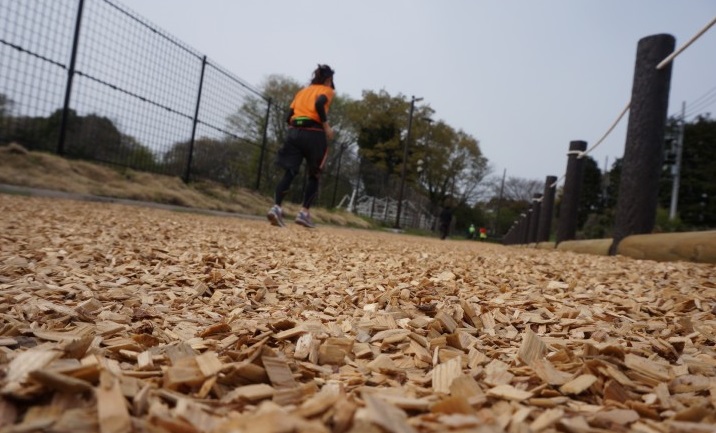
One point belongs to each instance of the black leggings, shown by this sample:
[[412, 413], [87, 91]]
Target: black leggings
[[285, 184]]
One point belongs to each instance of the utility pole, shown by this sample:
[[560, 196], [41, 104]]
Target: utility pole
[[413, 100], [605, 183], [496, 223], [676, 168]]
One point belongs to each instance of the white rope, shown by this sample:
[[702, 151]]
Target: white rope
[[673, 55], [609, 131], [554, 185]]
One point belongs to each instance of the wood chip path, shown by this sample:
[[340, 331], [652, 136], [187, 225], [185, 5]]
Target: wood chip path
[[128, 319]]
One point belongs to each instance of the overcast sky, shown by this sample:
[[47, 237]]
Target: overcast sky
[[524, 77]]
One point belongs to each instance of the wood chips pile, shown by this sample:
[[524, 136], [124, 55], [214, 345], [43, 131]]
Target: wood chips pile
[[119, 319]]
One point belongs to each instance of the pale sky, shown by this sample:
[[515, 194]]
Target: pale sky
[[524, 77]]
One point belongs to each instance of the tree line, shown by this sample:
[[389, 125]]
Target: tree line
[[444, 165]]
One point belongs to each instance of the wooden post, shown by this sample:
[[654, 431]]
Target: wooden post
[[534, 218], [507, 238], [524, 226], [643, 153], [567, 228], [546, 210]]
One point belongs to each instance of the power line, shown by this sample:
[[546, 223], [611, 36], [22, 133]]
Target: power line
[[694, 110], [704, 101], [712, 90]]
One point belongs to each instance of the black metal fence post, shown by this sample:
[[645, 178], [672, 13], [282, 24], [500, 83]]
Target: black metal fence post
[[547, 209], [70, 79], [264, 140], [187, 170], [643, 154], [567, 227]]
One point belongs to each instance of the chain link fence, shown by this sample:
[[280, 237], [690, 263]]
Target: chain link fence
[[90, 79]]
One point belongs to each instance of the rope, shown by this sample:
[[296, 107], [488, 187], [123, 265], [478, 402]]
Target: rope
[[661, 64], [609, 131], [673, 55]]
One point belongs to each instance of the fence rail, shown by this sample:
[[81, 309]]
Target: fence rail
[[386, 210]]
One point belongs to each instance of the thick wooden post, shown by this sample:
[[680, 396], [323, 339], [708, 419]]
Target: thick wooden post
[[534, 218], [546, 210], [567, 228], [524, 226], [643, 152], [509, 237]]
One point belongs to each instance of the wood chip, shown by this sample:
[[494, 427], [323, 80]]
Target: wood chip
[[579, 384], [387, 416], [112, 406], [509, 392], [192, 323], [532, 348], [444, 374]]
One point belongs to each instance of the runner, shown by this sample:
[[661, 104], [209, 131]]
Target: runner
[[307, 138]]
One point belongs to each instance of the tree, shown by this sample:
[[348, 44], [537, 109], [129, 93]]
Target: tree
[[219, 160], [90, 137], [591, 192], [453, 166], [696, 204], [451, 163], [518, 189], [593, 221], [376, 121], [249, 120], [340, 171], [697, 194]]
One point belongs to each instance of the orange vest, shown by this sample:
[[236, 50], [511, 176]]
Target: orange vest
[[304, 103]]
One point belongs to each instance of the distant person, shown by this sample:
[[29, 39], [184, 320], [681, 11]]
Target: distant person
[[483, 233], [471, 231], [445, 220], [307, 138]]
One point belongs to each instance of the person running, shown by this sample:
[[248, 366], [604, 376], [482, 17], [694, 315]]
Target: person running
[[307, 138]]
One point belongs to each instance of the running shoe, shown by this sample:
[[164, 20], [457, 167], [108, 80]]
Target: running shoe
[[275, 216], [304, 219]]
